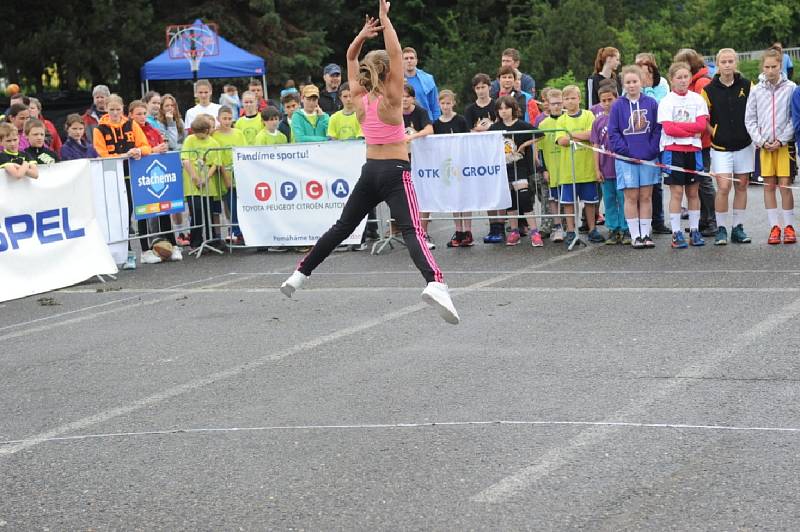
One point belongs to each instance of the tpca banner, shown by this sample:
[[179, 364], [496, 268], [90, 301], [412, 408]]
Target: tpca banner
[[111, 205], [48, 234], [157, 185], [462, 172], [290, 194]]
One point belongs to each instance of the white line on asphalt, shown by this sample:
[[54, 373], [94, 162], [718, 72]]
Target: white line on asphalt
[[614, 273], [309, 345], [552, 460], [429, 424], [71, 321], [513, 289]]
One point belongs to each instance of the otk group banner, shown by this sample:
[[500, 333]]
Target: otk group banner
[[290, 194], [462, 172], [48, 234], [157, 185]]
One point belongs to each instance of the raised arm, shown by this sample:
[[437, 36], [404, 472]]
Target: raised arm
[[394, 85], [371, 29]]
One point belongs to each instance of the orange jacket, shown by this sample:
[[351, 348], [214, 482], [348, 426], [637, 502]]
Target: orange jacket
[[114, 140]]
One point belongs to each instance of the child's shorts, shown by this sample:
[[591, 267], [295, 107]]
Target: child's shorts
[[630, 175], [733, 162], [691, 160], [775, 163], [587, 192], [553, 195]]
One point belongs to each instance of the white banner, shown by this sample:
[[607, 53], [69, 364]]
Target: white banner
[[462, 172], [48, 234], [111, 205], [290, 194]]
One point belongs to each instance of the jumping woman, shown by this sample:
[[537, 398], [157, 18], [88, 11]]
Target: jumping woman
[[376, 86]]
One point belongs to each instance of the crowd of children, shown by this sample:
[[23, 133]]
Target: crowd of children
[[639, 127]]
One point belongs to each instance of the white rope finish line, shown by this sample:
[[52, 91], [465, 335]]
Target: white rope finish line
[[668, 166], [432, 424]]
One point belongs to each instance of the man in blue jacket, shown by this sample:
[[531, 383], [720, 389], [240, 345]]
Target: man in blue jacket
[[423, 83]]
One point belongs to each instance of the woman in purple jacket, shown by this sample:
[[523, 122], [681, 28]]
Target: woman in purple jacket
[[634, 131], [76, 146]]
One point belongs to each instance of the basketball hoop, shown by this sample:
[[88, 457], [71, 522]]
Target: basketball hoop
[[192, 42]]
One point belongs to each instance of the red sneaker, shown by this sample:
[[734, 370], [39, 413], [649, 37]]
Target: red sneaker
[[789, 236], [775, 235], [513, 238]]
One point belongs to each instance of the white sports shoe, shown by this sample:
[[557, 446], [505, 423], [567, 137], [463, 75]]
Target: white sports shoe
[[294, 282], [437, 296], [149, 257], [177, 254], [130, 264]]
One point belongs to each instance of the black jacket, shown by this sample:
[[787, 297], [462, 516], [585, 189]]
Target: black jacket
[[726, 107], [330, 101]]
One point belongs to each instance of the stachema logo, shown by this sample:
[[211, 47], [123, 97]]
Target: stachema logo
[[157, 179], [262, 191]]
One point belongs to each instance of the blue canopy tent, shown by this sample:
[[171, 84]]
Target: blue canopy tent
[[230, 62]]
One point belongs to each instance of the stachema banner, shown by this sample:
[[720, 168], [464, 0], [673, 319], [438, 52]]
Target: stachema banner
[[49, 238], [460, 172], [290, 194], [157, 185]]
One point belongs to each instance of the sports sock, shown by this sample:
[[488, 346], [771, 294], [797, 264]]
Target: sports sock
[[675, 221], [738, 217], [772, 217], [633, 227], [722, 219], [646, 225], [788, 218], [694, 220]]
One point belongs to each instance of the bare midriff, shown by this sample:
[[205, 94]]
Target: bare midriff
[[395, 150]]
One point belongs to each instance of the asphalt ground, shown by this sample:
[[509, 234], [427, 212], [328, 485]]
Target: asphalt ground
[[600, 389]]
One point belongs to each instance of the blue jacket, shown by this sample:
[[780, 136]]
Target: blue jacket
[[72, 150], [303, 131], [426, 93], [633, 128]]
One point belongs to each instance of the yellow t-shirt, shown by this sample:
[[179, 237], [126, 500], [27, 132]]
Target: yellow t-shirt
[[234, 137], [551, 152], [250, 127], [265, 138], [584, 159], [344, 127], [196, 150]]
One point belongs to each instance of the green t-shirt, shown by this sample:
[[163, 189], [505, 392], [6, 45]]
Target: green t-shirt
[[550, 150], [234, 137], [344, 127], [584, 159], [194, 149], [250, 127], [265, 138]]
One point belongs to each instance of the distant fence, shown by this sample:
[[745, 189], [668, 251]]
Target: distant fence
[[794, 53]]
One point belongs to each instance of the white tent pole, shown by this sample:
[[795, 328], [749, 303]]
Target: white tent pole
[[264, 84]]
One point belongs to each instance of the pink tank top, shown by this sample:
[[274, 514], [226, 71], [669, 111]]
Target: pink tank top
[[375, 130]]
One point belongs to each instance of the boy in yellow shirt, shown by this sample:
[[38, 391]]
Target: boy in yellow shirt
[[344, 124], [228, 137], [270, 134], [200, 157], [578, 125]]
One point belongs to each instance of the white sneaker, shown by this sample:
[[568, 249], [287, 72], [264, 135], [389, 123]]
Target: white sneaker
[[130, 264], [429, 242], [149, 257], [177, 254], [558, 235], [294, 282], [437, 296]]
